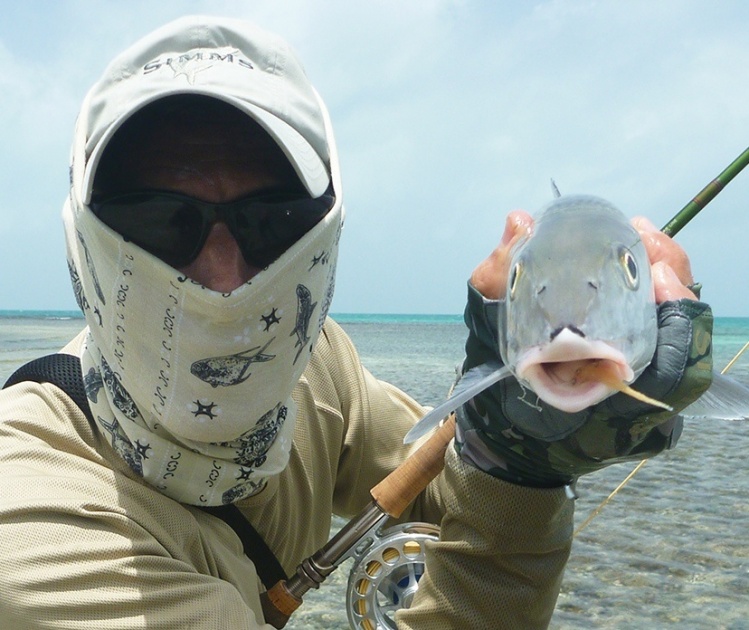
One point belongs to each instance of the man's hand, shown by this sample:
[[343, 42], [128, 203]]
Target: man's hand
[[490, 277], [672, 274], [494, 430]]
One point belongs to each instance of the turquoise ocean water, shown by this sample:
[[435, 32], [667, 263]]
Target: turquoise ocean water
[[670, 550]]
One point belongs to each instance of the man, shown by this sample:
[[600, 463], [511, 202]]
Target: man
[[202, 228]]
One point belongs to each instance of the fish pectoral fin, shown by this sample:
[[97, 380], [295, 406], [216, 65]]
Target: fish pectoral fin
[[725, 399], [474, 381]]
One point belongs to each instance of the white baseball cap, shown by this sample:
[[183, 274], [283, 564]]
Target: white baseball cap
[[228, 59]]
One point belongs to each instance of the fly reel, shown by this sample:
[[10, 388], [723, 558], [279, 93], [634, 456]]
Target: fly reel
[[385, 575]]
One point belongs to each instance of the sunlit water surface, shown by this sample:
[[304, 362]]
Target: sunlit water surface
[[671, 549]]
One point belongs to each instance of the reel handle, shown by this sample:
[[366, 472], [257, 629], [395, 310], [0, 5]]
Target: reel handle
[[390, 498]]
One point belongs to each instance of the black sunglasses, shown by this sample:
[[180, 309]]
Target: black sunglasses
[[174, 227]]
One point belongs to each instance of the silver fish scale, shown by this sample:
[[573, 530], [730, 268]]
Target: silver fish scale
[[576, 270]]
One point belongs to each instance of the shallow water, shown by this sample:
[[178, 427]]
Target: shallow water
[[670, 549]]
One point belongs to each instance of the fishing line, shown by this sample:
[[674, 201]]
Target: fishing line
[[732, 361], [680, 219], [396, 491], [636, 469], [603, 504]]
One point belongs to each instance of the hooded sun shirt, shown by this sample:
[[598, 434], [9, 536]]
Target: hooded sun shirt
[[190, 386]]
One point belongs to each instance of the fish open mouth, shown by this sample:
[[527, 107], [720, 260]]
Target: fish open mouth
[[572, 373]]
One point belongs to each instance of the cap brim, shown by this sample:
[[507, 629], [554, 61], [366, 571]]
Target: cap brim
[[306, 162]]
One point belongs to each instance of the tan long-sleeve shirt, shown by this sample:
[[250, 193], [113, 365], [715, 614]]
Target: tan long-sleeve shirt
[[86, 544]]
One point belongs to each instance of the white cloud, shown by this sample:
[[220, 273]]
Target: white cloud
[[448, 114]]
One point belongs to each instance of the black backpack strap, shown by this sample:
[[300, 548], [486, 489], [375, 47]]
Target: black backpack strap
[[64, 371], [267, 565]]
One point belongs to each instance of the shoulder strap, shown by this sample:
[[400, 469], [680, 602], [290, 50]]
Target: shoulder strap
[[64, 371], [268, 567]]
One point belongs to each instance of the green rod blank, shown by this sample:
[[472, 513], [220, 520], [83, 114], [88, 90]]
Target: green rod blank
[[706, 195]]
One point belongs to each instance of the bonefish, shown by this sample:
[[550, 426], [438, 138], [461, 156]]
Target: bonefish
[[580, 317], [579, 320]]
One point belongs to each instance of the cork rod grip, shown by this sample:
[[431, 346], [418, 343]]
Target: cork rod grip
[[396, 491]]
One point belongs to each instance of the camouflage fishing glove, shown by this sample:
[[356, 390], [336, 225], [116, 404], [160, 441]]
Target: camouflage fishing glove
[[507, 432]]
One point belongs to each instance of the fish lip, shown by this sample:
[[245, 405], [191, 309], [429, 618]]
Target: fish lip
[[543, 368]]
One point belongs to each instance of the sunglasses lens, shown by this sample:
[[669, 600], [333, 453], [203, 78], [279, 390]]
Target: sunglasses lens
[[165, 226], [174, 227], [266, 229]]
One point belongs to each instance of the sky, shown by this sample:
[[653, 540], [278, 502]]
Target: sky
[[448, 114]]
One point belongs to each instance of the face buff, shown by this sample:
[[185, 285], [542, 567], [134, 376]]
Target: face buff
[[190, 386]]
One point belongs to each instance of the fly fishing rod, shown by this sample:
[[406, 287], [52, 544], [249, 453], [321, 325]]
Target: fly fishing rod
[[394, 493], [706, 195], [389, 499], [680, 219]]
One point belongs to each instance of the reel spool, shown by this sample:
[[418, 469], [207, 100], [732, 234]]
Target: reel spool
[[385, 575]]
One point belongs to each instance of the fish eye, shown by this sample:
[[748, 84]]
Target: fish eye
[[514, 276], [629, 266]]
